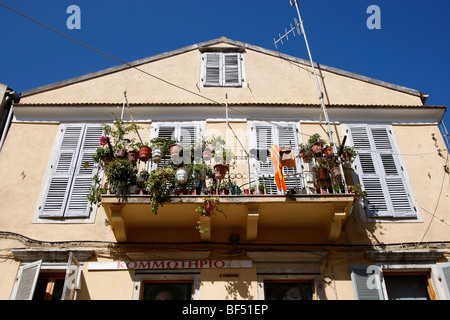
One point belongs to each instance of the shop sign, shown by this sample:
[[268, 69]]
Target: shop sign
[[169, 264]]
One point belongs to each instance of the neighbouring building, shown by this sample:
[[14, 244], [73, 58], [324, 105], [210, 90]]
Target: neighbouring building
[[374, 226]]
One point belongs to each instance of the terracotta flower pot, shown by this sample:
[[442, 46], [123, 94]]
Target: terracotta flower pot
[[133, 156], [145, 153], [317, 149], [220, 170], [328, 151], [323, 173]]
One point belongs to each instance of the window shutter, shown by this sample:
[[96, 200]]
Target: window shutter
[[71, 282], [232, 69], [288, 138], [364, 287], [27, 281], [62, 172], [78, 203], [391, 170], [266, 136], [444, 270], [381, 175], [213, 67]]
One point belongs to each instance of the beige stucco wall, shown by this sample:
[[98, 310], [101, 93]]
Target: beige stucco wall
[[269, 79]]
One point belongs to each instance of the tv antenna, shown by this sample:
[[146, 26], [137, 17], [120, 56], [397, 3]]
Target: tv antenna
[[302, 31], [286, 34]]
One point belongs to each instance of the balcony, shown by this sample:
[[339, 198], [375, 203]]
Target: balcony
[[255, 218], [171, 196]]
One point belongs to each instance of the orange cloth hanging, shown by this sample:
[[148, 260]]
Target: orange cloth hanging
[[275, 157]]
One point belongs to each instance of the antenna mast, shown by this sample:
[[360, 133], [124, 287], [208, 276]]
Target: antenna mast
[[324, 109]]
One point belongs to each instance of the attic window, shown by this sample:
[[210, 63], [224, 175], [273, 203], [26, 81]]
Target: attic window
[[222, 69]]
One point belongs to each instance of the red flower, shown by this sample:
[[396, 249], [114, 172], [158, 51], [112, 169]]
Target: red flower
[[103, 141]]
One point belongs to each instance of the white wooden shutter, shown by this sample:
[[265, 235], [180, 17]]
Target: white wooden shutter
[[380, 173], [281, 135], [187, 134], [26, 282], [232, 69], [444, 270], [72, 279], [364, 287], [78, 203], [287, 137], [62, 172], [213, 66]]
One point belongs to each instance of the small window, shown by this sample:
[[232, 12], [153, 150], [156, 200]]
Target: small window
[[222, 69], [408, 287], [298, 290], [167, 290], [49, 286]]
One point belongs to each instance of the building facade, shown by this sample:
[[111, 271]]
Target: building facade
[[76, 225]]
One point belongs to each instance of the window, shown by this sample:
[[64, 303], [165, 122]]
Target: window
[[48, 281], [222, 69], [167, 286], [284, 135], [186, 133], [175, 290], [381, 172], [281, 290], [397, 282], [71, 173]]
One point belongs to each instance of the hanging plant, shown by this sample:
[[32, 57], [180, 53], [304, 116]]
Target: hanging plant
[[208, 207], [158, 185]]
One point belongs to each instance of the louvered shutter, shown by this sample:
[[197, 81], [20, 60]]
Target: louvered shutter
[[186, 134], [78, 204], [381, 175], [72, 279], [444, 270], [62, 172], [372, 182], [266, 136], [27, 281], [212, 69], [232, 69], [288, 138], [392, 172], [367, 284]]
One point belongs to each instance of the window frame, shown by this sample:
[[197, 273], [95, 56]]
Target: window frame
[[152, 277], [314, 280], [429, 269], [241, 83], [45, 267]]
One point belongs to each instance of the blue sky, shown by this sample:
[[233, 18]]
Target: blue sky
[[411, 49]]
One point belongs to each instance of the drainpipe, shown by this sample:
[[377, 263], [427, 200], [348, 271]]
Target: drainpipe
[[10, 97]]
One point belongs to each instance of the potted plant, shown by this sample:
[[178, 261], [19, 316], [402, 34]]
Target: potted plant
[[348, 155], [206, 209], [145, 151], [316, 144], [201, 171], [322, 170], [328, 151], [142, 178], [158, 185], [133, 152], [262, 188], [306, 152], [252, 189], [120, 173]]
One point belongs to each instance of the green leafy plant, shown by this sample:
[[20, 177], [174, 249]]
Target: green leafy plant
[[208, 207], [159, 186], [120, 173], [96, 191]]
